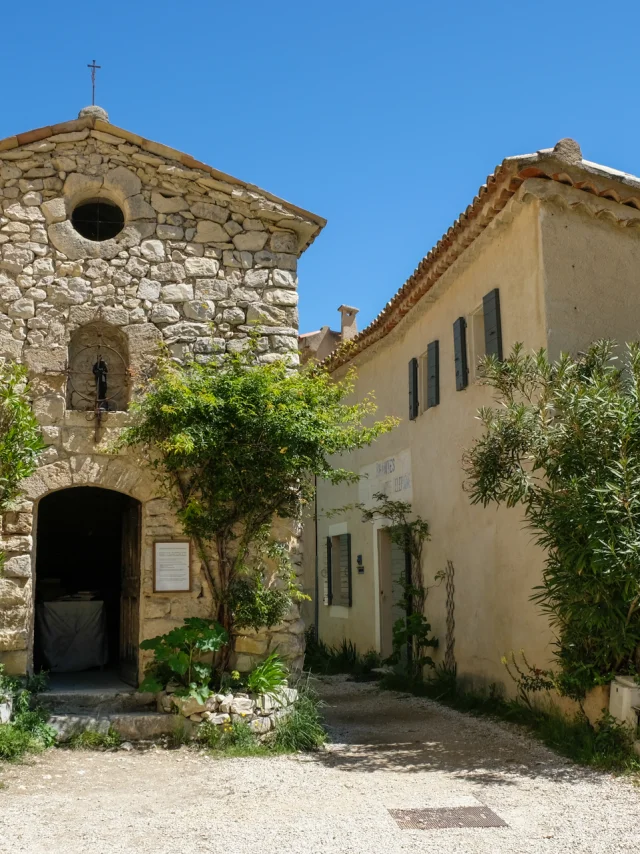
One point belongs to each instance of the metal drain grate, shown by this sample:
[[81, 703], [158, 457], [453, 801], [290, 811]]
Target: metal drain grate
[[446, 817]]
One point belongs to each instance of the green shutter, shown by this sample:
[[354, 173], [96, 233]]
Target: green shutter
[[492, 325], [460, 353], [433, 374], [349, 582], [329, 572], [413, 389]]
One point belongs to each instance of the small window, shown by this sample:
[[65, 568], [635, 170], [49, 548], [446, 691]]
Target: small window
[[339, 570], [98, 220]]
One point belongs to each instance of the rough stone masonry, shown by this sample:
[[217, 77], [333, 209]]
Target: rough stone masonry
[[197, 247]]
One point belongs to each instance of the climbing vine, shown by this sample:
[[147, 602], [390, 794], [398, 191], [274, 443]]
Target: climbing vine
[[412, 632]]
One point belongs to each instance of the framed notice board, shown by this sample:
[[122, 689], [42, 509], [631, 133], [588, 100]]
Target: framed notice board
[[171, 566]]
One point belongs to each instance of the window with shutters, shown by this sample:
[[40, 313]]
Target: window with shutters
[[460, 353], [430, 377], [486, 330], [339, 570], [476, 342]]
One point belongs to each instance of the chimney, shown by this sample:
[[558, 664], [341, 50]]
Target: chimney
[[348, 325]]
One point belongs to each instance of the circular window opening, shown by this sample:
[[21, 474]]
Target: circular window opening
[[98, 220]]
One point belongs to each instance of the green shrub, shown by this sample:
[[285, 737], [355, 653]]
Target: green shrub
[[268, 676], [325, 659], [15, 742], [177, 657], [91, 740], [232, 739], [564, 446], [28, 729], [301, 728]]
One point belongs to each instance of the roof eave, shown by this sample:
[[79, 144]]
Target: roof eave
[[316, 222]]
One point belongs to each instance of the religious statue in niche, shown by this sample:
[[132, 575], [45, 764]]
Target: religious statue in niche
[[98, 371]]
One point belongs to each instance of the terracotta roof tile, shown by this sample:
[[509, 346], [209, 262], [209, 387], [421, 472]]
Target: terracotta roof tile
[[492, 197]]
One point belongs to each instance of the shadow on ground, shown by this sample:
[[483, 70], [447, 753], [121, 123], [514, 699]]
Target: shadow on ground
[[374, 730]]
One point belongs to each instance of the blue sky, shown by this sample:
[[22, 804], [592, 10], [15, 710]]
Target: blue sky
[[382, 117]]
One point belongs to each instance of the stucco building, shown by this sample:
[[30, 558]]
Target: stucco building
[[111, 245], [547, 254]]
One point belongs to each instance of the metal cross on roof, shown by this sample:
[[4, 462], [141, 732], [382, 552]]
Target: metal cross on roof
[[93, 68]]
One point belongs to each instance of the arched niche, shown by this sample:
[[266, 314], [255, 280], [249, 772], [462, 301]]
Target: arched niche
[[98, 375]]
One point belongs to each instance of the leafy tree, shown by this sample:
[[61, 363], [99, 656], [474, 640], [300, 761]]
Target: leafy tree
[[564, 445], [20, 439], [236, 443]]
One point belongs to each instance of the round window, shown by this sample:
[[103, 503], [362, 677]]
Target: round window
[[98, 220]]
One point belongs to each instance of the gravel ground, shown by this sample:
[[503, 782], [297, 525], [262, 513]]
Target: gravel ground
[[389, 751]]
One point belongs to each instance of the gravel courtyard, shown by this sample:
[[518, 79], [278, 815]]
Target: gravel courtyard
[[389, 751]]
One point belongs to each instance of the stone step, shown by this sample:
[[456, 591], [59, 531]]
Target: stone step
[[99, 703], [131, 726]]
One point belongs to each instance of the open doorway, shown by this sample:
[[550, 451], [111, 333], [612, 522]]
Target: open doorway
[[87, 582]]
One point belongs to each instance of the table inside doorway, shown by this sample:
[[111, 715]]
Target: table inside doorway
[[73, 634]]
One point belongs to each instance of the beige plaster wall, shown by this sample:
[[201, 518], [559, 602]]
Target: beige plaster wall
[[496, 565], [592, 276]]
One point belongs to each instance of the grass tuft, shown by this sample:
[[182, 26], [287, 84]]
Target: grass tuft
[[91, 740]]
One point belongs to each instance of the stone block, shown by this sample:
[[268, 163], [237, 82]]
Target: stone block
[[210, 289], [284, 279], [251, 645], [279, 296], [168, 204], [260, 725], [216, 718], [199, 310], [67, 726], [12, 592], [176, 293], [40, 360], [235, 258], [209, 211], [188, 706], [138, 208], [54, 210], [210, 232], [283, 241], [123, 181], [17, 522], [18, 566], [251, 241], [201, 267], [153, 251], [169, 232], [49, 410]]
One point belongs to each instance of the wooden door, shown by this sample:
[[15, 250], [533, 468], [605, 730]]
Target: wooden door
[[392, 572], [130, 593]]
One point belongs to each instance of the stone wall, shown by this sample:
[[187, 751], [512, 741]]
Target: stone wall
[[197, 249]]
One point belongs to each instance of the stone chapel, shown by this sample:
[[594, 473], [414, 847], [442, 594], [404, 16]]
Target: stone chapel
[[109, 245]]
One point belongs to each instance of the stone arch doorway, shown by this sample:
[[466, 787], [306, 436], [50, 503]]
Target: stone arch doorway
[[87, 582]]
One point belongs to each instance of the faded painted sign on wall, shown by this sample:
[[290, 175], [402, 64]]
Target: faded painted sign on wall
[[392, 476]]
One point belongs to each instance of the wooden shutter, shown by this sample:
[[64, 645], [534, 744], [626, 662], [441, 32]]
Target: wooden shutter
[[433, 374], [460, 352], [345, 570], [413, 389], [329, 571], [492, 325]]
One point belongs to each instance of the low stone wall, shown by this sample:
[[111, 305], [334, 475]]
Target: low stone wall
[[259, 711]]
